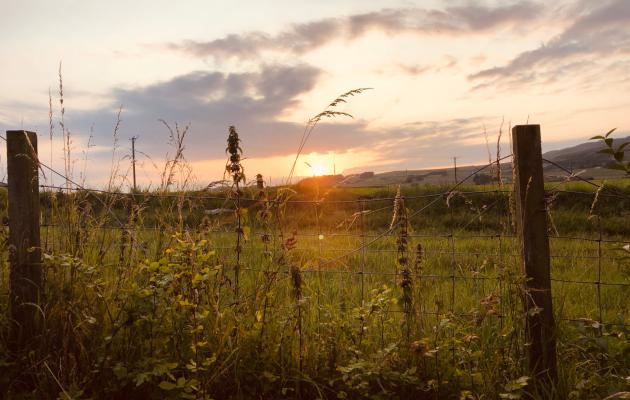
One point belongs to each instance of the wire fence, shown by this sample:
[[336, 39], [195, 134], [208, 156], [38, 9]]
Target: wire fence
[[435, 254], [349, 240]]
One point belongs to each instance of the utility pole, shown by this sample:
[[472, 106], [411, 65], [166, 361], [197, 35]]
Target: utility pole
[[133, 160], [455, 167]]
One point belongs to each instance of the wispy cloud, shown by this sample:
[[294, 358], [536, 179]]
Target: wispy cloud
[[420, 69], [304, 37], [255, 103], [597, 38], [210, 102]]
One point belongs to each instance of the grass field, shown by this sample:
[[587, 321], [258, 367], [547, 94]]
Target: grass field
[[310, 300]]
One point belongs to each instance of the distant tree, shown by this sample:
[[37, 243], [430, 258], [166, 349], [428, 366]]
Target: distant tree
[[413, 178], [482, 179], [365, 175]]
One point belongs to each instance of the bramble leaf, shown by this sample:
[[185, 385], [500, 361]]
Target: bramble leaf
[[166, 385]]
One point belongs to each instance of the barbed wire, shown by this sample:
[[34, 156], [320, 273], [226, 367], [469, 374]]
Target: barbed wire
[[358, 235], [68, 180], [570, 174], [194, 195], [370, 239]]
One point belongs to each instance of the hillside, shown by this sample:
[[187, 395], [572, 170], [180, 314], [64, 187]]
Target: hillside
[[583, 159], [584, 155]]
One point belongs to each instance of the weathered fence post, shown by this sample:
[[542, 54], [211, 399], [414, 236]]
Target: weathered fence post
[[531, 221], [25, 280]]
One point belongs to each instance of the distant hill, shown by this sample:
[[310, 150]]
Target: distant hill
[[436, 176], [321, 181], [582, 156], [583, 160]]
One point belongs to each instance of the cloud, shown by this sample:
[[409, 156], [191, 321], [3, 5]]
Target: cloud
[[429, 144], [420, 69], [416, 69], [597, 37], [254, 102], [301, 38], [409, 138], [210, 102]]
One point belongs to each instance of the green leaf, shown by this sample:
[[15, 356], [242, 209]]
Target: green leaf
[[166, 385], [606, 151], [609, 142], [246, 232], [120, 371], [620, 167], [141, 378], [269, 376], [610, 131], [596, 137], [619, 156]]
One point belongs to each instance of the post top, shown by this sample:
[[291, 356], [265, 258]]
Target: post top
[[526, 126], [20, 131]]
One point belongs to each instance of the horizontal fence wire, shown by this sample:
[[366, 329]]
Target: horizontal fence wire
[[203, 196], [352, 235], [368, 239]]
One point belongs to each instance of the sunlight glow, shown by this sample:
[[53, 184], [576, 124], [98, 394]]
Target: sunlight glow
[[319, 170]]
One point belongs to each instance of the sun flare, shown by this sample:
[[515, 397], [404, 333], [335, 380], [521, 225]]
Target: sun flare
[[319, 170]]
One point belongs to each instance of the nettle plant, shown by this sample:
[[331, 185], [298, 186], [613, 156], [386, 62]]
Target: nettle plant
[[617, 152]]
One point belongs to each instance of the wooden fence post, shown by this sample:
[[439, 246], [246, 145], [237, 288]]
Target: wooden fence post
[[531, 221], [25, 280]]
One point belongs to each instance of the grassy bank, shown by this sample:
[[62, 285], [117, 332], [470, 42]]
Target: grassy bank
[[311, 303]]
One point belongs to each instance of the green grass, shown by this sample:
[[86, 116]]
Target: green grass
[[154, 313]]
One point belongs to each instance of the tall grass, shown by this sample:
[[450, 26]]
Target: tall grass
[[147, 295]]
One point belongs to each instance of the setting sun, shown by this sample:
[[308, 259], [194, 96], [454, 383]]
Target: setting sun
[[318, 164], [319, 170]]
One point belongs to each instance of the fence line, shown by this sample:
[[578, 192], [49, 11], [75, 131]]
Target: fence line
[[367, 235], [191, 194], [363, 249]]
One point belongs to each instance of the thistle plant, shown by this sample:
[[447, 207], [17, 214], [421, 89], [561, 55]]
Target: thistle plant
[[264, 216], [419, 260], [401, 222], [260, 183], [296, 284], [236, 172], [233, 166]]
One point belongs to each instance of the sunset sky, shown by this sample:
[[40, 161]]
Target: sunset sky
[[441, 73]]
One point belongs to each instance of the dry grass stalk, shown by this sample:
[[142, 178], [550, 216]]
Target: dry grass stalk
[[498, 162], [327, 113]]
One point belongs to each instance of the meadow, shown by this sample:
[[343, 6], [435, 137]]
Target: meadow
[[313, 292]]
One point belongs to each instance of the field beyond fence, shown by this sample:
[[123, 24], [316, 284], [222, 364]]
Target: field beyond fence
[[321, 292]]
